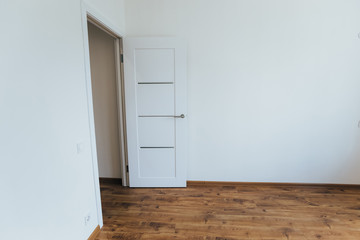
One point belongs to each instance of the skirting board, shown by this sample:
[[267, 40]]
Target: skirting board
[[221, 183], [110, 180], [95, 233]]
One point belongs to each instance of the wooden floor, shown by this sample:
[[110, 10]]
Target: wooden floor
[[231, 212]]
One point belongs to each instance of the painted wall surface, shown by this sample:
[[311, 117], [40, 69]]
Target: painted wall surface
[[112, 10], [103, 82], [46, 186], [273, 86]]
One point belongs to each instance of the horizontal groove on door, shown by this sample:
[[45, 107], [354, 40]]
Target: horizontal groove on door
[[156, 116], [155, 82], [155, 147]]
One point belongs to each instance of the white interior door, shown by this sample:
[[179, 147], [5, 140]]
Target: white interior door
[[155, 96]]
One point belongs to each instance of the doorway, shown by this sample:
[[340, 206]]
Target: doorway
[[106, 69]]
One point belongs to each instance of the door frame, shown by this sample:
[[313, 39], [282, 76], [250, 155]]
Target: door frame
[[89, 13]]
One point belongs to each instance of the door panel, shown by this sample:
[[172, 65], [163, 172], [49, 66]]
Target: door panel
[[161, 68], [156, 132], [155, 99], [155, 93], [157, 163]]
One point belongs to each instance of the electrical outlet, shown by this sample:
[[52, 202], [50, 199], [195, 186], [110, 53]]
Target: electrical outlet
[[80, 147], [87, 218]]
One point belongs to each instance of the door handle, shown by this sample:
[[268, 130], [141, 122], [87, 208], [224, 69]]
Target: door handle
[[180, 116]]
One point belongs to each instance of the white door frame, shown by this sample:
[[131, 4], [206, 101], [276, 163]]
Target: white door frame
[[89, 12]]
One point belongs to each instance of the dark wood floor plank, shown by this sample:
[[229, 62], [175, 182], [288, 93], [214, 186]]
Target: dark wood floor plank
[[220, 212]]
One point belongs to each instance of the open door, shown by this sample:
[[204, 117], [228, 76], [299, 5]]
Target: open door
[[155, 96]]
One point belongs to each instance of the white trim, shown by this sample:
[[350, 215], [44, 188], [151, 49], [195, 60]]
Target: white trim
[[132, 116], [91, 11], [88, 10]]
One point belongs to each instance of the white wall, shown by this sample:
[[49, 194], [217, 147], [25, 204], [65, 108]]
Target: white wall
[[273, 86], [113, 10], [46, 187]]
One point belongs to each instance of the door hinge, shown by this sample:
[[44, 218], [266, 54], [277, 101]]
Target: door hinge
[[127, 168], [122, 58]]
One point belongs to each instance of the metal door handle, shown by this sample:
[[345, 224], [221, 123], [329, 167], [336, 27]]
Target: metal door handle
[[180, 116]]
